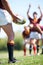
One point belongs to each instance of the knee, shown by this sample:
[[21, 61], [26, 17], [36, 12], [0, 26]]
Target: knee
[[31, 25], [11, 41]]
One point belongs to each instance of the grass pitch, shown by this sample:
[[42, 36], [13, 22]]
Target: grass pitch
[[24, 60]]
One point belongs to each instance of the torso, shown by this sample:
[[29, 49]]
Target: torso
[[34, 21]]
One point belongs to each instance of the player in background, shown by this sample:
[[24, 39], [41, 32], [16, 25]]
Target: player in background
[[35, 23]]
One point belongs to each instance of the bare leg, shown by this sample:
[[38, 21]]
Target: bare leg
[[24, 49], [39, 29], [10, 45], [36, 28]]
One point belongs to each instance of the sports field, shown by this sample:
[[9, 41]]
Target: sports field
[[24, 60]]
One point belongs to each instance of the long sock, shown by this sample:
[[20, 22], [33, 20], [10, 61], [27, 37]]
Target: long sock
[[30, 49], [34, 48], [24, 51], [10, 51], [42, 49], [38, 48]]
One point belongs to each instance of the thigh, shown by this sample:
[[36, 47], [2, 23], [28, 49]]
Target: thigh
[[9, 31], [34, 29], [31, 25], [41, 28]]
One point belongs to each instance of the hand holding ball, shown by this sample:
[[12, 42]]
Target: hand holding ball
[[20, 20]]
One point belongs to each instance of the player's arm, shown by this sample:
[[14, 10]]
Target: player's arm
[[40, 12], [7, 7], [28, 11]]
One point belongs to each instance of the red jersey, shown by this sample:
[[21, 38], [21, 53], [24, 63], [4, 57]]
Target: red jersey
[[33, 22]]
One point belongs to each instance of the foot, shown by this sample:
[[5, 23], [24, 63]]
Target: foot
[[30, 54], [41, 53], [38, 53], [13, 61]]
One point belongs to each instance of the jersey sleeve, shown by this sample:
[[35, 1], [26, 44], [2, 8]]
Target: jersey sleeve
[[39, 19], [30, 18]]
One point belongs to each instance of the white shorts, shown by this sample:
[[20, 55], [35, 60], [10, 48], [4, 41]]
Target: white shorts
[[35, 35], [5, 17]]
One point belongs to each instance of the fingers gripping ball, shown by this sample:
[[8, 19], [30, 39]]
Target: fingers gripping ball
[[21, 20], [27, 30]]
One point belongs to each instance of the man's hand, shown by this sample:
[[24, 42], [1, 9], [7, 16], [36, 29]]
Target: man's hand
[[39, 7], [15, 19], [28, 11], [7, 7], [40, 11], [18, 20], [29, 6]]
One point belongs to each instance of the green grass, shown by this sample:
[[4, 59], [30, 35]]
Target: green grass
[[24, 60]]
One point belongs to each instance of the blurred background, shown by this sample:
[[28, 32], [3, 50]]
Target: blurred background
[[20, 7]]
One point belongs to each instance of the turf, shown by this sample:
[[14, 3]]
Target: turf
[[24, 60]]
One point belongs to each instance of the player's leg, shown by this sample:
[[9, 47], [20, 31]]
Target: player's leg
[[39, 28], [32, 42], [34, 45], [42, 39], [10, 45], [24, 49], [36, 27], [30, 47], [38, 46], [42, 47], [34, 49]]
